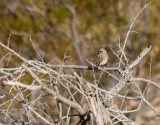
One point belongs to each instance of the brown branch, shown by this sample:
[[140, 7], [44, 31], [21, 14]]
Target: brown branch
[[74, 32], [64, 100]]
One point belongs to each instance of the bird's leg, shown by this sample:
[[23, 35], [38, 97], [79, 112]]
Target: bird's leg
[[96, 69], [105, 65]]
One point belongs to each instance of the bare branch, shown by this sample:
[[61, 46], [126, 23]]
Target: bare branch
[[129, 31], [29, 87], [139, 58], [147, 81], [75, 38]]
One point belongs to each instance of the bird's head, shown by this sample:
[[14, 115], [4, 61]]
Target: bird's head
[[101, 50]]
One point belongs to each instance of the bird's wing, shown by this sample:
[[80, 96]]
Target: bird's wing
[[99, 60]]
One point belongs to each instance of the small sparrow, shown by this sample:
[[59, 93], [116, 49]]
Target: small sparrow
[[102, 58]]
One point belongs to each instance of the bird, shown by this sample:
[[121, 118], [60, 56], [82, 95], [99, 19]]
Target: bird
[[102, 58]]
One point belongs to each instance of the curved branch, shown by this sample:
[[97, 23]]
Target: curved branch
[[146, 80], [139, 58]]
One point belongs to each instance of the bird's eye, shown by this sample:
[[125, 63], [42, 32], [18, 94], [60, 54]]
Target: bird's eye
[[99, 52]]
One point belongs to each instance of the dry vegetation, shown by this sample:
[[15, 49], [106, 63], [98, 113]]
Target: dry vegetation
[[38, 91]]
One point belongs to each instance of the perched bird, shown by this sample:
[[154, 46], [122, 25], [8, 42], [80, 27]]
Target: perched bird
[[102, 58]]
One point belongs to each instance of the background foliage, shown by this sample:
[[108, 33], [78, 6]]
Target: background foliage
[[99, 24]]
